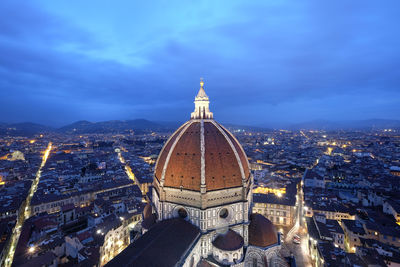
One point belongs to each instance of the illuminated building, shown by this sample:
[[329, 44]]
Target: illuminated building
[[393, 208], [277, 205], [202, 201], [279, 214]]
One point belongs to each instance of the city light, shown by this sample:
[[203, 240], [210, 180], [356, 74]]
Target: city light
[[25, 211], [266, 190], [129, 174]]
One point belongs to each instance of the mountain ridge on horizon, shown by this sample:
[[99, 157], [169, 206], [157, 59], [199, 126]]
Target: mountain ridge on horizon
[[115, 126]]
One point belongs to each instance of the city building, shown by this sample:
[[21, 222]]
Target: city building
[[279, 209]]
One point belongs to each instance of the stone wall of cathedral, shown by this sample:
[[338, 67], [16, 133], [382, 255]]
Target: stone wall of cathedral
[[259, 257], [206, 219], [213, 213]]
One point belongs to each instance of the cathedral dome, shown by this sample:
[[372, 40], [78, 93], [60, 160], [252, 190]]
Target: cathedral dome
[[262, 233], [202, 154], [202, 150]]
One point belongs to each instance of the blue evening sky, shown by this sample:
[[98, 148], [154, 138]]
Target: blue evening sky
[[263, 62]]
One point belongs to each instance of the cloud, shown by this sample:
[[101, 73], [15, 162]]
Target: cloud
[[267, 58]]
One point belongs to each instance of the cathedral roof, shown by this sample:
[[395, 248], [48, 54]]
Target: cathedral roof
[[202, 152], [228, 241], [262, 232], [154, 247]]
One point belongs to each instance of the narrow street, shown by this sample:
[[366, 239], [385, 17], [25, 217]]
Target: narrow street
[[299, 251], [24, 211], [127, 168]]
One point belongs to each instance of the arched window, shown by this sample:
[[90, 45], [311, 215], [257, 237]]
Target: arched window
[[182, 213]]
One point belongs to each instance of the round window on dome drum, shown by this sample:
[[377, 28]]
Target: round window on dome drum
[[182, 213], [223, 213]]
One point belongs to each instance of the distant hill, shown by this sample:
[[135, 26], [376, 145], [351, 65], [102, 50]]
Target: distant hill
[[115, 126], [172, 125], [82, 127], [372, 124], [143, 125], [23, 129]]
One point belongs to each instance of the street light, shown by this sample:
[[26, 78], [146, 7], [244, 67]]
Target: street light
[[31, 249]]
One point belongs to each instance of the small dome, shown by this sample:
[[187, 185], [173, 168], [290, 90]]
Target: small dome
[[229, 241], [147, 211], [262, 232], [149, 219], [202, 148]]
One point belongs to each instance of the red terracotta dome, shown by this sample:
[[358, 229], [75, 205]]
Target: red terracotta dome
[[147, 211], [149, 218], [262, 233], [228, 241], [202, 148]]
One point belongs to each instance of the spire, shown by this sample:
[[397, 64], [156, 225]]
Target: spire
[[201, 104]]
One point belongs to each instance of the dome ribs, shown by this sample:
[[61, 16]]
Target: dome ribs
[[202, 152], [164, 152], [240, 151], [183, 170], [220, 160]]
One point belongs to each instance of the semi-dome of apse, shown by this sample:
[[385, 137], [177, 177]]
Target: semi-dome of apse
[[262, 233]]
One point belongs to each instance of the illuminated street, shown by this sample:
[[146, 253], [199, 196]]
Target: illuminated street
[[303, 134], [24, 211], [300, 251], [127, 168]]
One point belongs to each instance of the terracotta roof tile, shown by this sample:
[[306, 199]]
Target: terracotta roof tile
[[183, 170], [262, 232], [228, 241]]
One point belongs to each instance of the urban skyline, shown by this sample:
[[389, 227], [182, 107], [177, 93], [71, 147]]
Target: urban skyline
[[199, 134], [240, 198]]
